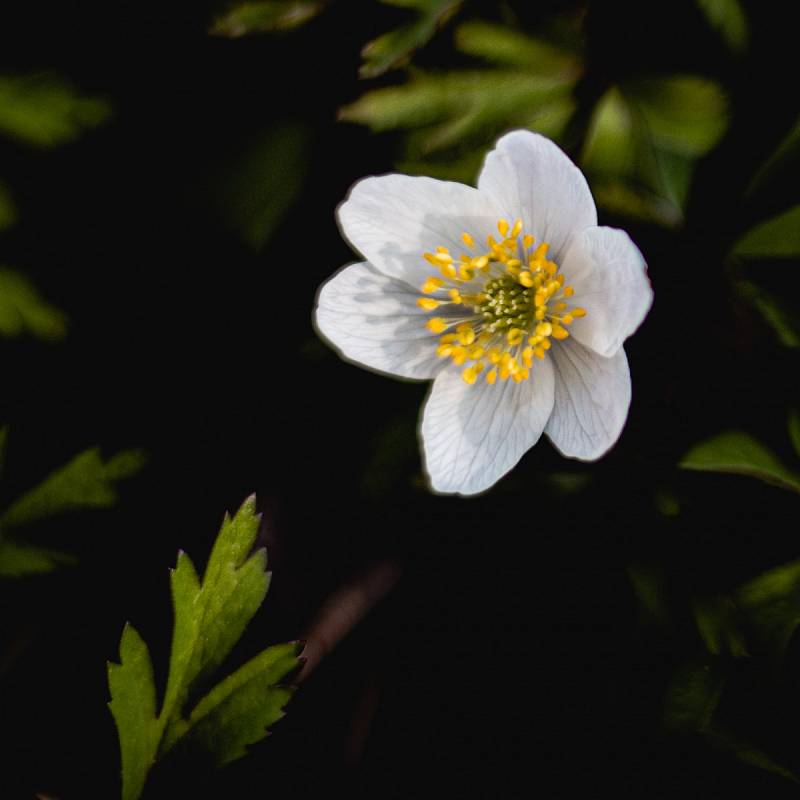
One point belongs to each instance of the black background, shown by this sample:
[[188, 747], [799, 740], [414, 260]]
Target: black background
[[510, 659]]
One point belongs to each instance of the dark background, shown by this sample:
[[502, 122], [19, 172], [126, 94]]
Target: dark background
[[511, 658]]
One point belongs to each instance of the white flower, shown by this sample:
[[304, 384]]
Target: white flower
[[521, 334]]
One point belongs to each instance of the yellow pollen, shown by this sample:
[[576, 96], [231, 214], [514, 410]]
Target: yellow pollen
[[431, 285], [502, 226], [437, 325], [517, 229], [491, 377], [468, 240], [428, 303]]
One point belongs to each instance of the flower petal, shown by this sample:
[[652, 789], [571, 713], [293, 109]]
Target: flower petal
[[393, 219], [609, 276], [375, 321], [473, 435], [592, 398], [530, 177]]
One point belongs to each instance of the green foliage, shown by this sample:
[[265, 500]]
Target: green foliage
[[266, 182], [727, 17], [45, 111], [22, 309], [84, 482], [778, 237], [794, 430], [265, 16], [693, 697], [210, 617], [717, 624], [774, 310], [738, 453], [395, 47]]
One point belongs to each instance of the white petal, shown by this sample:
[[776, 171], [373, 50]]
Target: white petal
[[609, 276], [531, 178], [393, 219], [473, 435], [374, 320], [592, 399]]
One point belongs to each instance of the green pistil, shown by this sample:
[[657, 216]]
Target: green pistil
[[507, 304]]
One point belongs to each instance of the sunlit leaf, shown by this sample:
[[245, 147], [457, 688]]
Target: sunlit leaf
[[8, 211], [44, 110], [265, 182], [692, 697], [775, 311], [210, 616], [84, 482], [778, 237], [22, 309], [727, 17], [394, 48], [739, 453], [262, 16], [19, 559]]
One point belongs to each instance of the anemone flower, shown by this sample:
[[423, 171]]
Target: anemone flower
[[509, 297]]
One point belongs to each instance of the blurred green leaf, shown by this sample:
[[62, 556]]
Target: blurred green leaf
[[718, 626], [23, 309], [745, 752], [85, 482], [727, 17], [265, 16], [648, 585], [395, 47], [778, 237], [19, 559], [210, 617], [772, 604], [8, 211], [692, 697], [794, 430], [783, 321], [739, 453], [45, 111], [785, 161], [265, 182]]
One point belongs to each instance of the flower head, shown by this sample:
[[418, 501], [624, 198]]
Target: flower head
[[509, 296]]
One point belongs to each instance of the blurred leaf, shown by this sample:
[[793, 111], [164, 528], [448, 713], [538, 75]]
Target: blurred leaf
[[692, 697], [785, 161], [3, 442], [210, 617], [266, 182], [781, 319], [508, 47], [794, 430], [394, 48], [18, 559], [738, 453], [8, 211], [772, 604], [44, 110], [84, 482], [23, 309], [746, 753], [778, 237], [265, 16], [648, 586], [727, 17], [717, 624]]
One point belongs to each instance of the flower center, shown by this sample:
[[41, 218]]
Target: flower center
[[500, 307]]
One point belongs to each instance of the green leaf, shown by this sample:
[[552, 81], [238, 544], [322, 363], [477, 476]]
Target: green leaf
[[8, 211], [718, 626], [738, 453], [727, 17], [18, 559], [265, 16], [778, 237], [693, 697], [772, 604], [794, 430], [265, 182], [84, 482], [45, 111], [746, 752], [133, 706], [210, 617], [783, 320], [23, 310], [395, 47]]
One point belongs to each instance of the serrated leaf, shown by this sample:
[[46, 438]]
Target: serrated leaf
[[738, 453], [45, 111], [19, 559], [8, 211], [239, 710], [772, 604], [210, 616], [84, 482], [778, 237], [265, 17], [133, 705], [22, 309], [727, 17], [394, 48]]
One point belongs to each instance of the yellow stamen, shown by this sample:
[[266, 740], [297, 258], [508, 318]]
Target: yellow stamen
[[428, 303], [431, 285], [436, 324]]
